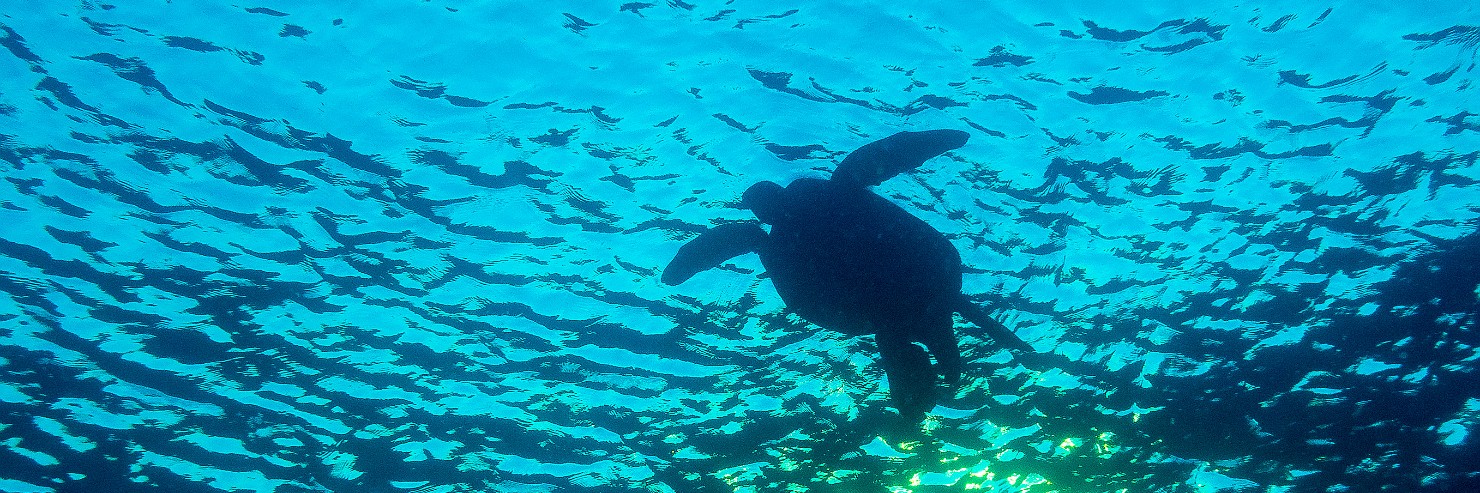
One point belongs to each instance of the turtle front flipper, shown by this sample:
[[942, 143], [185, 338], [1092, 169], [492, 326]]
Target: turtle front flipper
[[882, 159], [912, 381], [711, 247]]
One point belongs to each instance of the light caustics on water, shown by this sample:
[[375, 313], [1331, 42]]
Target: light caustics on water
[[417, 246]]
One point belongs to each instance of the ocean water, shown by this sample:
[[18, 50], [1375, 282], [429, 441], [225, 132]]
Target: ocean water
[[415, 246]]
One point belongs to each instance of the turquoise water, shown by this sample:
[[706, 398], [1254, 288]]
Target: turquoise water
[[415, 246]]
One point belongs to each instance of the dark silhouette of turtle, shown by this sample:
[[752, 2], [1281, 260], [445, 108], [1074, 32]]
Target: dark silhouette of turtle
[[846, 259]]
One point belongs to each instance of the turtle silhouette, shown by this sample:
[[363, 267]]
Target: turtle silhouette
[[846, 259]]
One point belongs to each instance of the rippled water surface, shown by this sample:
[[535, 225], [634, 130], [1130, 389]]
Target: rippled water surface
[[415, 246]]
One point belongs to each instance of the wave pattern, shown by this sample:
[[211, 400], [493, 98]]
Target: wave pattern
[[416, 247]]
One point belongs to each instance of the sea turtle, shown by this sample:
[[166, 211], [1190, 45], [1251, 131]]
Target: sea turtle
[[846, 259]]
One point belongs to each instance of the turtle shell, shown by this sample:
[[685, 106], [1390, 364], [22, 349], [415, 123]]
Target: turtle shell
[[847, 259]]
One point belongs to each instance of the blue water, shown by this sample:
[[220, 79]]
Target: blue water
[[415, 246]]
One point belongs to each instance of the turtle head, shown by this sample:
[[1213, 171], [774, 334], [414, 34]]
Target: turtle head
[[764, 199]]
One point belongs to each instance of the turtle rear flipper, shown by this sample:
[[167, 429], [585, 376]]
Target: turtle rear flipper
[[940, 339], [995, 329], [912, 381], [707, 250], [882, 159]]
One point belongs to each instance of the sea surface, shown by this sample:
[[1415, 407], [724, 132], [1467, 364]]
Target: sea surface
[[415, 246]]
